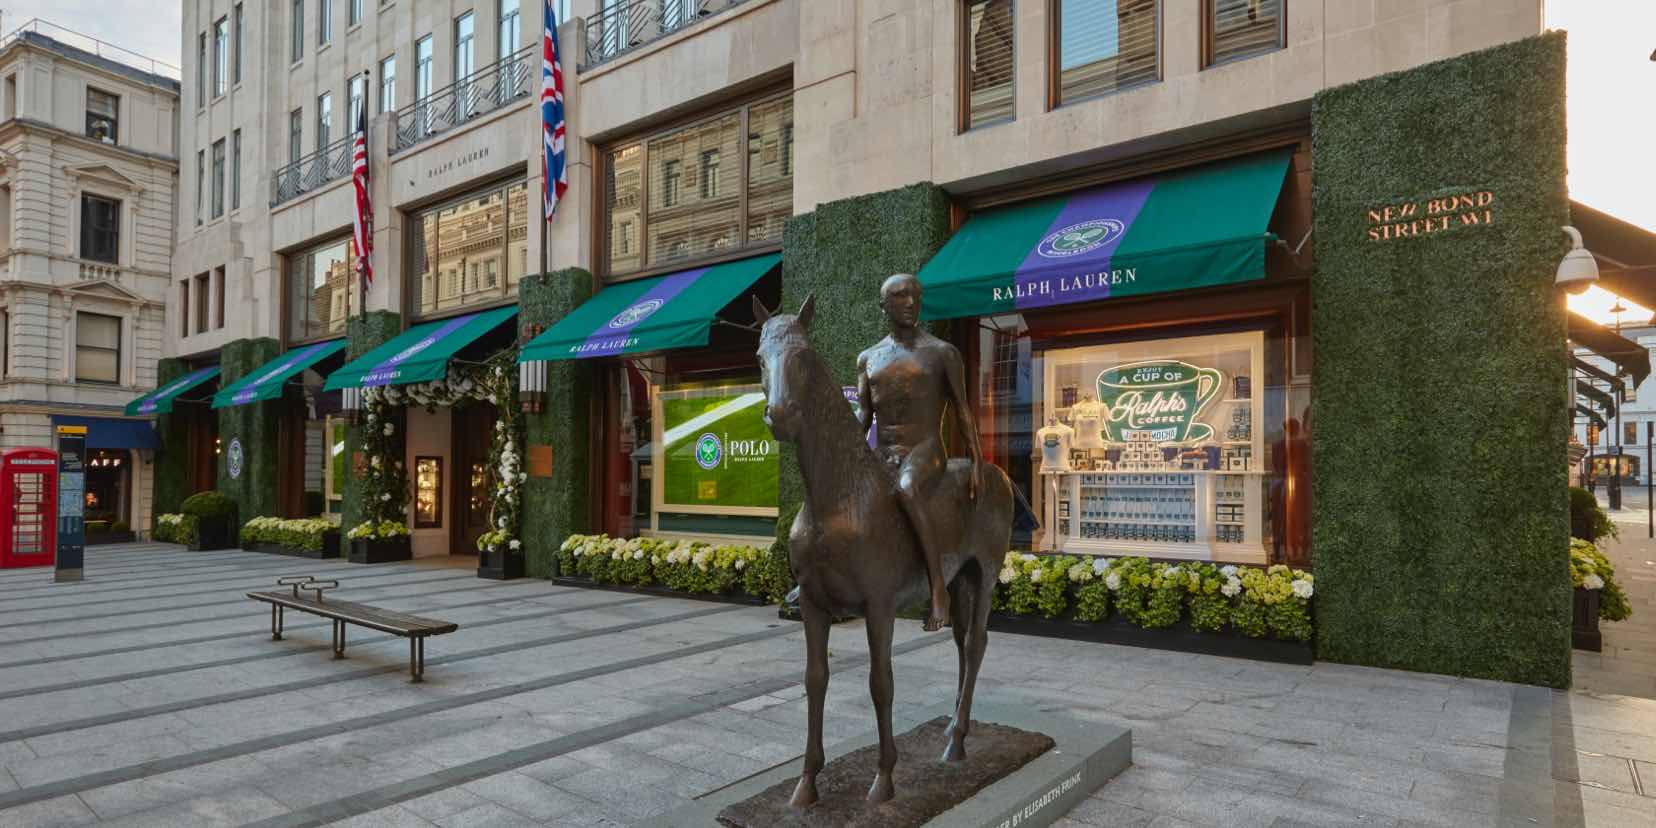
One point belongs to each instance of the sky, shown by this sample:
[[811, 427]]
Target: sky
[[1612, 82]]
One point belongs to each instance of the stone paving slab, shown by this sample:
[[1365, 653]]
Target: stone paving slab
[[141, 715]]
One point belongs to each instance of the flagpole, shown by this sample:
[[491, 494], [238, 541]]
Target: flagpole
[[362, 285], [546, 172]]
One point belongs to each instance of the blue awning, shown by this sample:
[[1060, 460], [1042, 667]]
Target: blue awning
[[111, 432]]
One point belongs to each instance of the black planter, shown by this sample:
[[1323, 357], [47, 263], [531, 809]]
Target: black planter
[[330, 543], [584, 582], [214, 533], [1584, 629], [293, 551], [111, 537], [1117, 630], [500, 566], [376, 550]]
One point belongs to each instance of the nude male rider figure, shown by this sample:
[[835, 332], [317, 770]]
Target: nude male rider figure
[[904, 383]]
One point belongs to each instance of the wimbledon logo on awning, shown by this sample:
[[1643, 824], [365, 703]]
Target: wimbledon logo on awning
[[1079, 239], [635, 314]]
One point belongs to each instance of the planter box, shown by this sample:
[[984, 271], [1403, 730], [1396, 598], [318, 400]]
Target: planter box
[[1116, 630], [330, 543], [373, 550], [214, 533], [102, 538], [1584, 629], [741, 598], [294, 551]]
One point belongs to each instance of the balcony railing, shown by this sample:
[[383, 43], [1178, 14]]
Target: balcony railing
[[484, 91], [628, 24], [312, 171]]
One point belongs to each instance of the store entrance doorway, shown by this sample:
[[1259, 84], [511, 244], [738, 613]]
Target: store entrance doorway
[[474, 426]]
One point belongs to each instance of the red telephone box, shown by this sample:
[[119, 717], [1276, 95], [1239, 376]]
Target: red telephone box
[[28, 507]]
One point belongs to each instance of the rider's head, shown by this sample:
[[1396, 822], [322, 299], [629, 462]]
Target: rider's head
[[900, 300]]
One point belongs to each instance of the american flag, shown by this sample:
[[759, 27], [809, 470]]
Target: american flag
[[556, 179], [364, 226]]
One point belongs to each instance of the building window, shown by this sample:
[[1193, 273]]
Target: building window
[[726, 207], [201, 69], [464, 32], [235, 170], [461, 248], [97, 347], [324, 22], [357, 92], [11, 97], [388, 84], [184, 308], [320, 282], [296, 130], [236, 55], [509, 32], [356, 12], [986, 62], [100, 229], [103, 116], [1630, 434], [1003, 371], [324, 119], [298, 33], [5, 216], [202, 289], [201, 186], [221, 56], [422, 68], [1102, 46], [1236, 29], [218, 178], [218, 298]]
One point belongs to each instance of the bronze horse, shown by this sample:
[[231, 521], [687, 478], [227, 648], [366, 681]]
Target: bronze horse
[[853, 551]]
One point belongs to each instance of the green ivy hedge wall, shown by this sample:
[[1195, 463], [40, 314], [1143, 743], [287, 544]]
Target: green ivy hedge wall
[[172, 457], [1441, 523], [365, 332], [842, 252], [555, 508], [254, 424]]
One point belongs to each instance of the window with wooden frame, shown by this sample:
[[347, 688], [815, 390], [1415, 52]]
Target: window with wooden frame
[[678, 191], [1239, 29], [97, 348], [987, 59], [1099, 47]]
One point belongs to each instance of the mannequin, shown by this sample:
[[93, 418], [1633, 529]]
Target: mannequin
[[1088, 416], [1055, 440]]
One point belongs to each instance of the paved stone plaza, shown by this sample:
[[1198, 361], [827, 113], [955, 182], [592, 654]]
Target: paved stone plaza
[[152, 695]]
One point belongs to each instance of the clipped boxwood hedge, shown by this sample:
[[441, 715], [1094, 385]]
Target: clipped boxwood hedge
[[1440, 530]]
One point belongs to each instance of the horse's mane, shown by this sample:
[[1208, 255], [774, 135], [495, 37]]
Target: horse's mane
[[831, 419]]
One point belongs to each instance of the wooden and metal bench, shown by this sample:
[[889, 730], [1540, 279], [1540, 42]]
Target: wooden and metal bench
[[412, 627]]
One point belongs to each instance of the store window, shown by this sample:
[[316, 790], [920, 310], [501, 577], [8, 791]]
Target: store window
[[692, 193], [461, 248], [320, 283], [1238, 29], [986, 63], [687, 449], [97, 348], [1187, 446], [103, 116], [1103, 46]]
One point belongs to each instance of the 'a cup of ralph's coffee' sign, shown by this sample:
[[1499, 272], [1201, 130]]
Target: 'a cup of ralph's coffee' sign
[[1159, 398]]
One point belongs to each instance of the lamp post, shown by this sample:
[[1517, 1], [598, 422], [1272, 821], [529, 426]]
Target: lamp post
[[1616, 473]]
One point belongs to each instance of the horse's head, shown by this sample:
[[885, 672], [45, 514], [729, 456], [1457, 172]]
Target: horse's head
[[782, 339]]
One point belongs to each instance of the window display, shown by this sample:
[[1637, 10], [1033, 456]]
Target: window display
[[1150, 448]]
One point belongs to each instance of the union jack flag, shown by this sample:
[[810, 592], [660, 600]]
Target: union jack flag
[[364, 225], [556, 178]]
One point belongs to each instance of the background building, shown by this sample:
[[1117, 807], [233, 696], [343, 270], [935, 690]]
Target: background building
[[88, 167]]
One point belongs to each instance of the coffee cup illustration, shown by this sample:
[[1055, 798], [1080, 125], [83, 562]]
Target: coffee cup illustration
[[1161, 399]]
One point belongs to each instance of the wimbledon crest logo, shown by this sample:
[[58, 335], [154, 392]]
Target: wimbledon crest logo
[[1077, 239], [709, 451], [635, 314]]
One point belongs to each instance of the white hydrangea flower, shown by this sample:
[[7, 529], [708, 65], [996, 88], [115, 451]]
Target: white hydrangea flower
[[1302, 589], [1228, 570], [1035, 575], [516, 544], [1112, 581], [1008, 575], [386, 496], [740, 563], [1099, 565], [1231, 587], [1028, 558], [1589, 582]]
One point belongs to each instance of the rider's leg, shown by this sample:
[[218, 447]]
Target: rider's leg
[[920, 470]]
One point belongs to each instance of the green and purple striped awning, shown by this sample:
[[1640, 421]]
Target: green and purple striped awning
[[419, 354], [1190, 228], [160, 401], [657, 314], [266, 381]]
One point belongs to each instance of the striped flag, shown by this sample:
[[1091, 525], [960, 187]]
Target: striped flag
[[364, 225], [556, 178]]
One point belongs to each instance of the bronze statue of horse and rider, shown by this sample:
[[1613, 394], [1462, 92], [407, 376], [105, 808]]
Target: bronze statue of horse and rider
[[888, 525]]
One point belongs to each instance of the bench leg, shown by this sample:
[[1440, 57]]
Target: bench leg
[[275, 622], [339, 639], [416, 659]]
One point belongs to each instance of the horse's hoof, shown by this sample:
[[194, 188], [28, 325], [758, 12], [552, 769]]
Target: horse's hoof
[[882, 789], [805, 793], [955, 752]]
